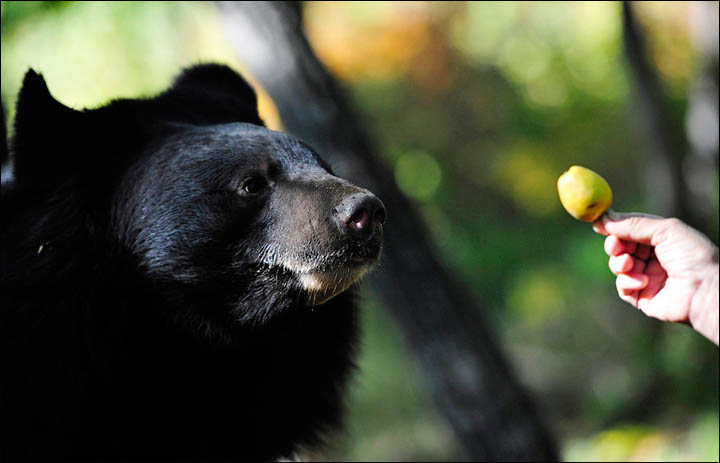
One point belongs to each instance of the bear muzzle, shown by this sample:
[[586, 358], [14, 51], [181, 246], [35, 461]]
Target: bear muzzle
[[360, 216]]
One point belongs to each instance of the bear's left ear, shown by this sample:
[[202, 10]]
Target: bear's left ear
[[45, 131], [210, 94]]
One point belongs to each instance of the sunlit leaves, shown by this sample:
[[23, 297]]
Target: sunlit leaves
[[418, 174]]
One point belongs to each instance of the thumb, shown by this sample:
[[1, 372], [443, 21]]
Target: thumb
[[634, 226]]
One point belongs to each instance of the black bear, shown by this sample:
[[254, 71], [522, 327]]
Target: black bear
[[177, 280]]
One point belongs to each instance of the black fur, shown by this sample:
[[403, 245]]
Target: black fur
[[151, 301]]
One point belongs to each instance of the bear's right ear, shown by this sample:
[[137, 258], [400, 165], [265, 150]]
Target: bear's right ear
[[45, 132], [208, 94]]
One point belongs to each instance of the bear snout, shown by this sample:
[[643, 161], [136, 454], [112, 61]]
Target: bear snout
[[360, 215]]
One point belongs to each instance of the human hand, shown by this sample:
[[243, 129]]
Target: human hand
[[664, 267]]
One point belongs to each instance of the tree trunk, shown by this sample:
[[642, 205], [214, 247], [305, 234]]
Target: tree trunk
[[701, 119], [667, 188], [469, 377]]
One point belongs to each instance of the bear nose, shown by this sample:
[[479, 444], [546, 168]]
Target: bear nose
[[359, 215]]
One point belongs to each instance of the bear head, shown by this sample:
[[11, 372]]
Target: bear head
[[232, 222]]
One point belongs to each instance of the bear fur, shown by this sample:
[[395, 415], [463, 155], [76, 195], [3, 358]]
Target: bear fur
[[177, 280]]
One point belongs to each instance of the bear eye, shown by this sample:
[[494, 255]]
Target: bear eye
[[253, 185]]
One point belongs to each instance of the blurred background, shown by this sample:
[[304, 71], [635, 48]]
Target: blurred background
[[478, 107]]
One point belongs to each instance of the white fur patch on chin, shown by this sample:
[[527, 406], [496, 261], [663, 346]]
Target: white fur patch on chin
[[323, 286]]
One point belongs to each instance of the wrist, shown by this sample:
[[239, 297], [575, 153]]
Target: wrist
[[703, 314]]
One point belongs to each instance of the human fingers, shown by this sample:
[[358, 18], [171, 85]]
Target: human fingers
[[638, 266], [621, 264], [630, 247], [631, 282], [614, 246], [643, 252], [627, 295], [598, 226], [656, 281], [641, 228]]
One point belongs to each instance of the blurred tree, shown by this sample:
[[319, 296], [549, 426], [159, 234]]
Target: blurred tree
[[4, 148], [667, 182], [701, 122], [469, 376]]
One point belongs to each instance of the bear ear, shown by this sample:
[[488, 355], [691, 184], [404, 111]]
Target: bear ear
[[44, 129], [211, 94]]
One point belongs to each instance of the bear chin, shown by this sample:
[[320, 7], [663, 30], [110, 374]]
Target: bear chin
[[322, 286]]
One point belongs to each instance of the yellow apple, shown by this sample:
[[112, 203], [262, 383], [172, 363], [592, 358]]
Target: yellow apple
[[584, 194]]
